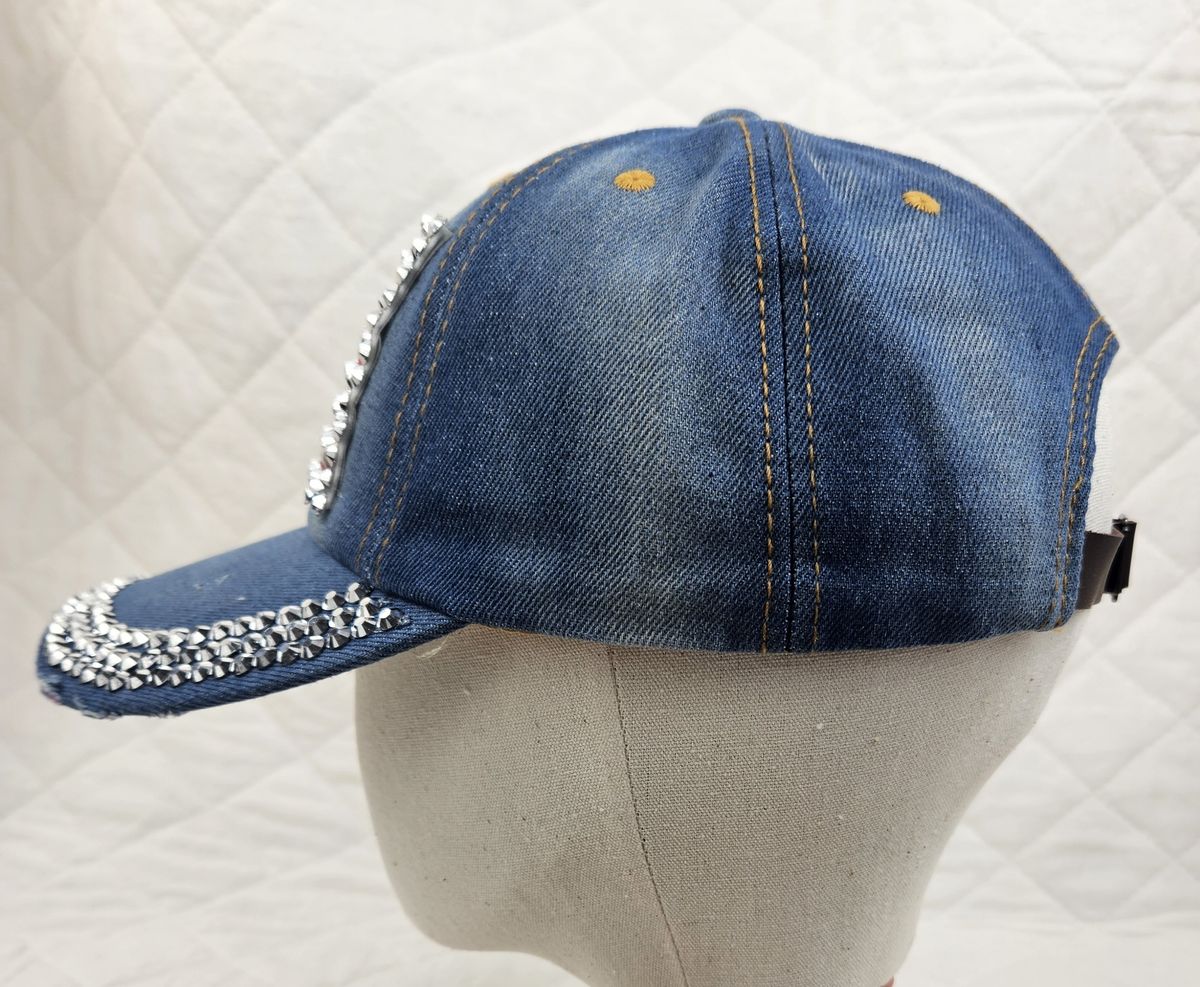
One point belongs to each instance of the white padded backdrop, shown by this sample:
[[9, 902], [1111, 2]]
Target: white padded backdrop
[[198, 201]]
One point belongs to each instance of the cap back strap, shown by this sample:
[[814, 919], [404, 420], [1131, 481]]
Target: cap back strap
[[1106, 560]]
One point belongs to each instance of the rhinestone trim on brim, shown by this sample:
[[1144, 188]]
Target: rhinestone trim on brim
[[86, 640], [324, 472]]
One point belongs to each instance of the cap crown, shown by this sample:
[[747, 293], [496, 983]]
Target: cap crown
[[766, 398]]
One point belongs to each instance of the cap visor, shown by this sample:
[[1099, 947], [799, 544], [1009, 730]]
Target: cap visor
[[264, 617]]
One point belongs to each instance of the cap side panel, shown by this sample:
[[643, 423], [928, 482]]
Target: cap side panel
[[353, 528], [943, 406], [591, 457], [447, 253], [484, 228]]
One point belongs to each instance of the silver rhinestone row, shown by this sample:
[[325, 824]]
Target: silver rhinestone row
[[325, 471], [86, 640]]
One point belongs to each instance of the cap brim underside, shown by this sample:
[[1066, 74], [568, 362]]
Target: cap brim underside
[[264, 617]]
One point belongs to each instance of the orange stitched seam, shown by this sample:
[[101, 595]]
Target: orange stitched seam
[[1062, 492], [1083, 460], [766, 389], [437, 349], [808, 390], [387, 463]]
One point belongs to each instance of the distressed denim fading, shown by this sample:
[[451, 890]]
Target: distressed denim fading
[[764, 404]]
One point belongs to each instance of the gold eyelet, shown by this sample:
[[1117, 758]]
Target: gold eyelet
[[922, 201]]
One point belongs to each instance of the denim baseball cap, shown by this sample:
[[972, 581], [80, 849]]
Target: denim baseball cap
[[733, 387]]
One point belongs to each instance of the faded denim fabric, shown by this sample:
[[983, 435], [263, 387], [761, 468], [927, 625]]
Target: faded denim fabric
[[765, 404]]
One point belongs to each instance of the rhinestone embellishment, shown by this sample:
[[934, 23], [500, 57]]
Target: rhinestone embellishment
[[325, 471], [86, 640]]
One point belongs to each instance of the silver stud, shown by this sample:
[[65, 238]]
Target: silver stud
[[162, 676], [253, 642], [227, 650], [311, 646], [329, 442], [387, 618], [335, 637], [264, 658]]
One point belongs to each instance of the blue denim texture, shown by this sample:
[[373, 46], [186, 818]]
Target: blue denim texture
[[590, 456], [567, 431]]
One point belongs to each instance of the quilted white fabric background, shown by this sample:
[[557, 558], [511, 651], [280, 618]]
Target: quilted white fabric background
[[199, 199]]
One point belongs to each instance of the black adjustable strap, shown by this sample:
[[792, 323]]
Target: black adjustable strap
[[1106, 561]]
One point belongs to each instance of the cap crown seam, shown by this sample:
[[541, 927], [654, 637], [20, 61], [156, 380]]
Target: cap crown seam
[[809, 399], [768, 455]]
